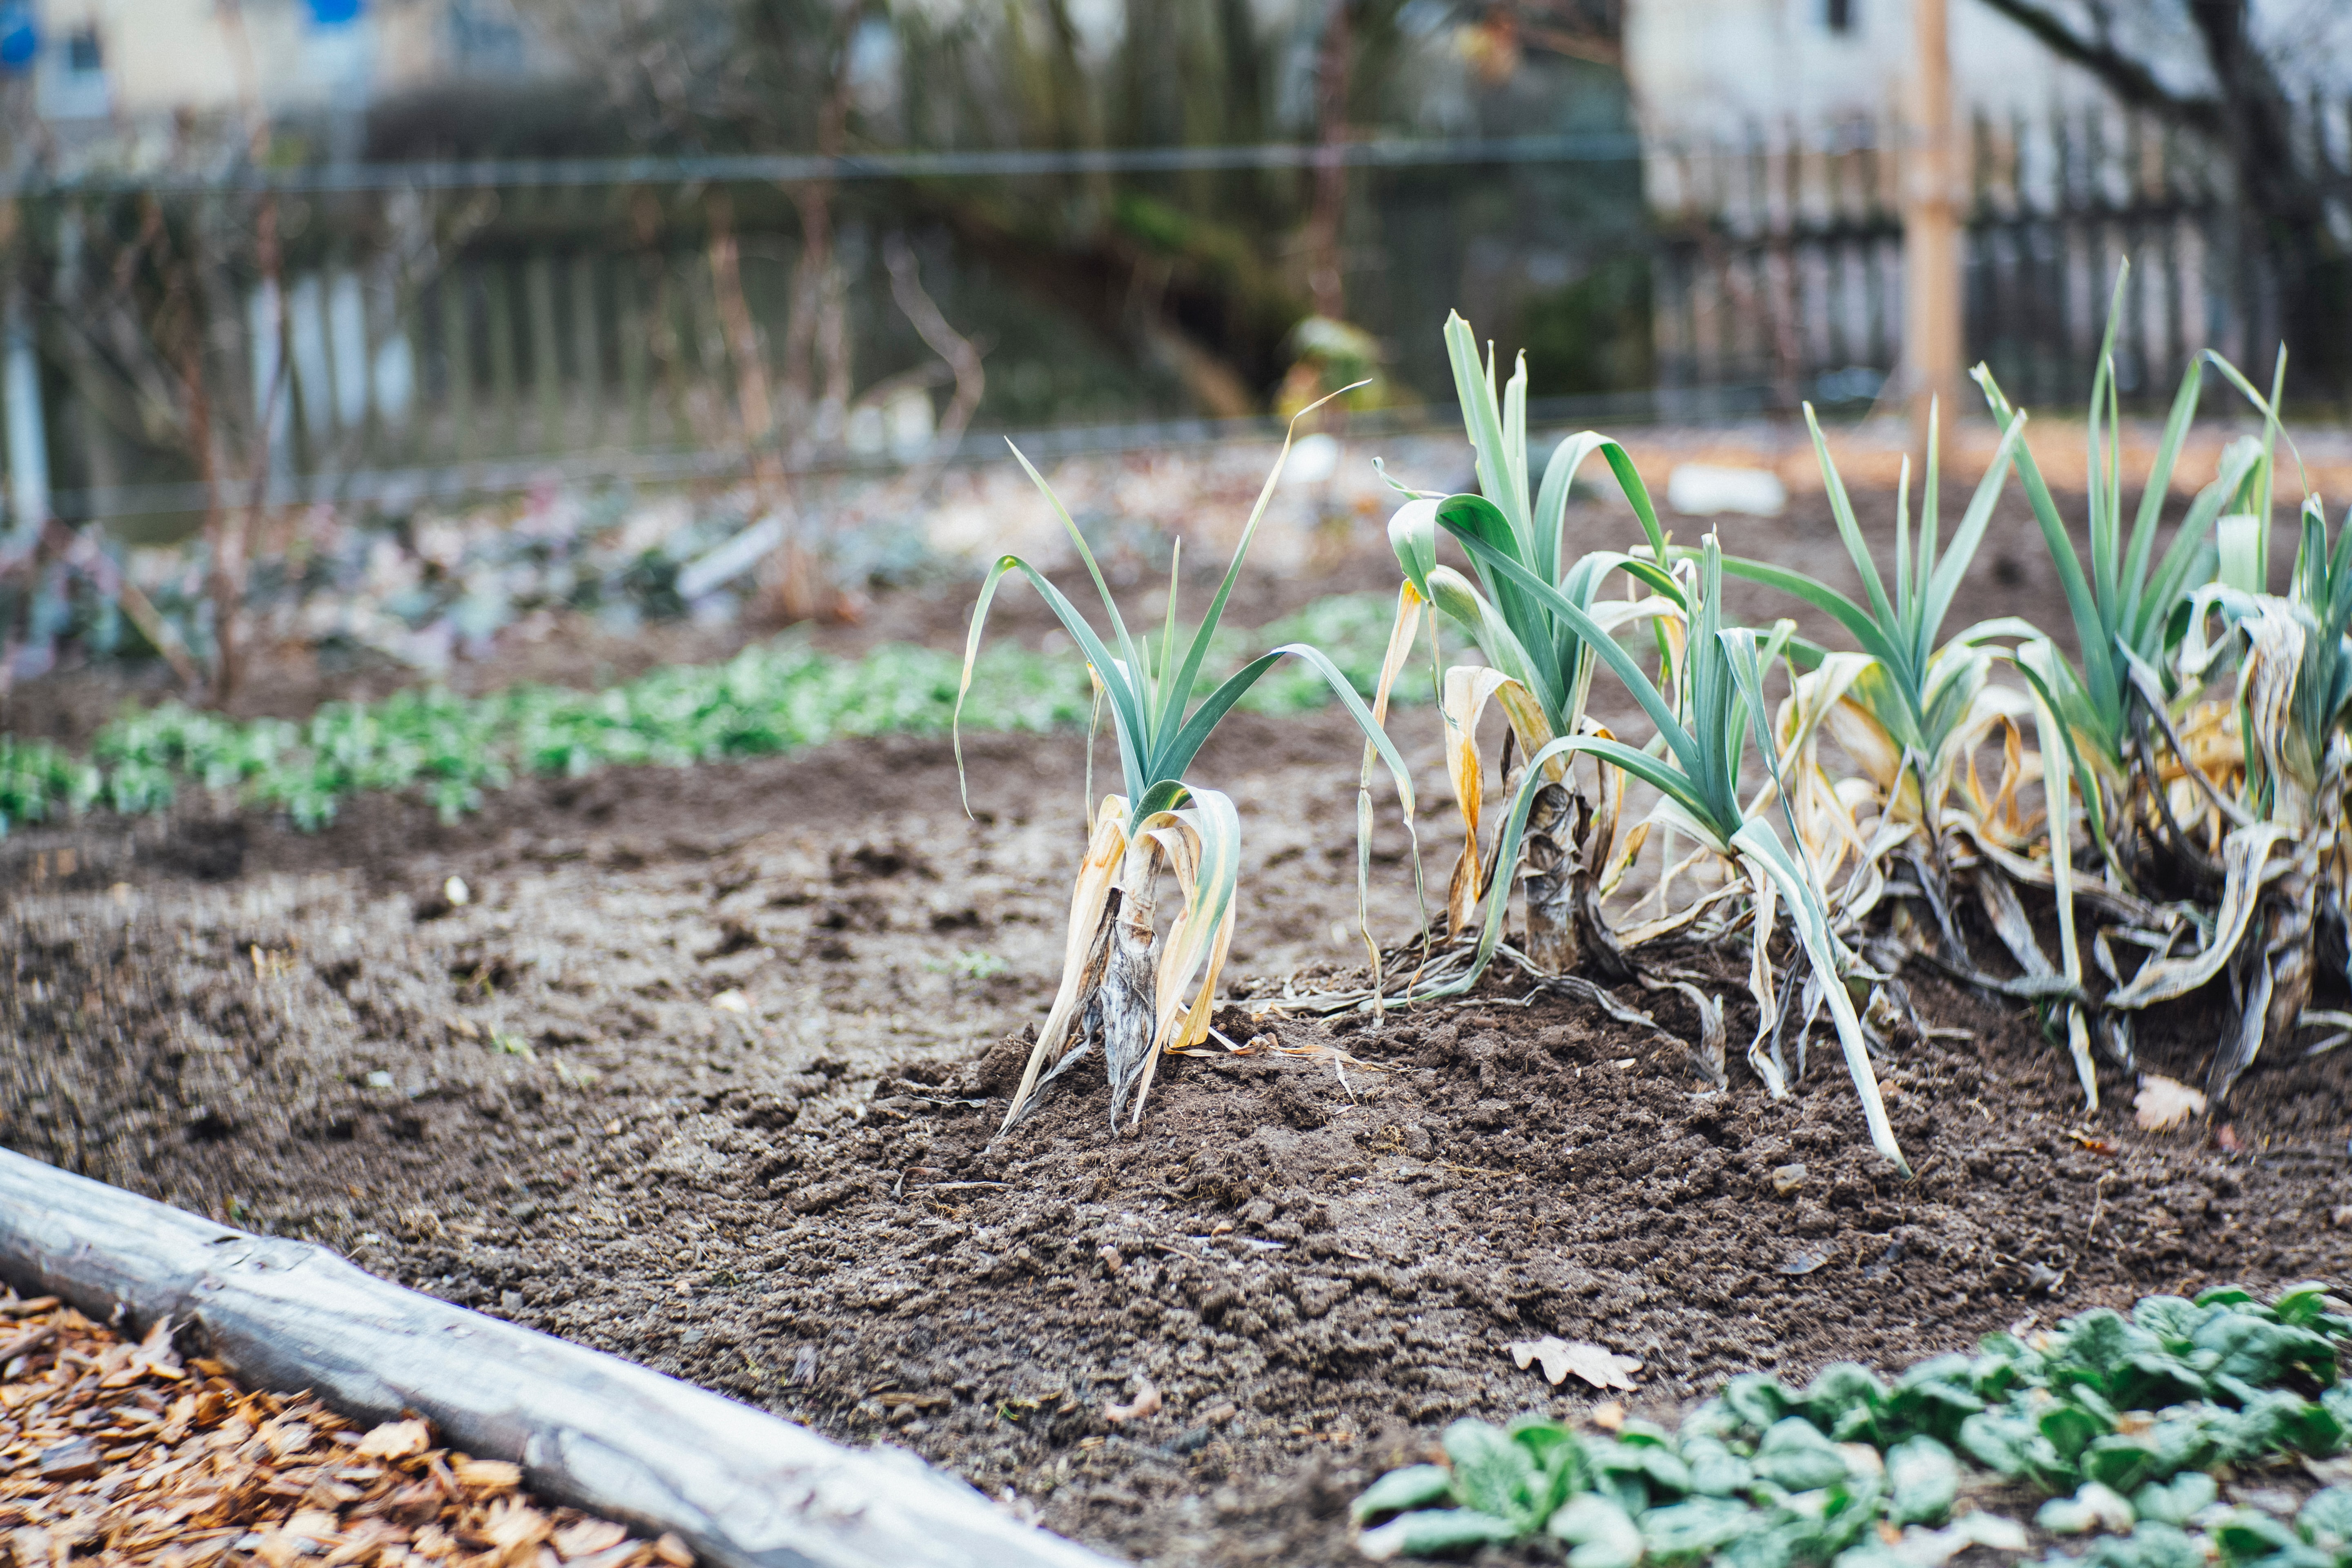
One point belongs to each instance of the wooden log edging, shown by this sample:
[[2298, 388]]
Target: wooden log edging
[[744, 1488]]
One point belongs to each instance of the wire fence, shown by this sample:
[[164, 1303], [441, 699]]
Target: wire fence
[[382, 334]]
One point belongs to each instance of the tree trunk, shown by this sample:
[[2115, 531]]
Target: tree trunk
[[1325, 278]]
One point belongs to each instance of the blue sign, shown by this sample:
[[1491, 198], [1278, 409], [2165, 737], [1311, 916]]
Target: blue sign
[[20, 36]]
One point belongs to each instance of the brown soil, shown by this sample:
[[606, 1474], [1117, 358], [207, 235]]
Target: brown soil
[[704, 1071], [796, 1203]]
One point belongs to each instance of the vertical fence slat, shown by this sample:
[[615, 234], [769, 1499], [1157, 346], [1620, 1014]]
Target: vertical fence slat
[[547, 376], [588, 353], [498, 281], [456, 296], [637, 329]]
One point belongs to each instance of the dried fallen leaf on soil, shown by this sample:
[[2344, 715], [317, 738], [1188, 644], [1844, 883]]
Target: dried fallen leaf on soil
[[1147, 1403], [2163, 1103], [1596, 1366]]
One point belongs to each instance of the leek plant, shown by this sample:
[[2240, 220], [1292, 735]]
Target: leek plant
[[1703, 732], [1908, 709], [1137, 989], [1538, 666], [1537, 616], [2133, 733]]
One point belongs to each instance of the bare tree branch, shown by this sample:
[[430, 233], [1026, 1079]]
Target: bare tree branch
[[2130, 80]]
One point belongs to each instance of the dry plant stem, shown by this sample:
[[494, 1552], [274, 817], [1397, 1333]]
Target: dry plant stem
[[1325, 278], [753, 409], [1128, 993], [1550, 875], [77, 550], [816, 328], [961, 354]]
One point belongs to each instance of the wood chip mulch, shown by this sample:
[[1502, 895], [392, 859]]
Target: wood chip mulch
[[119, 1453]]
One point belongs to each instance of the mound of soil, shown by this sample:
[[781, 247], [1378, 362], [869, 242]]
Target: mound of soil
[[705, 1068]]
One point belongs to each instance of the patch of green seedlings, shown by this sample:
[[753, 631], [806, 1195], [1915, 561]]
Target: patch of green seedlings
[[968, 964], [770, 699], [2119, 1421]]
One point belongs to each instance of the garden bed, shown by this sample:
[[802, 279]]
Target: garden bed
[[702, 1066], [691, 1078]]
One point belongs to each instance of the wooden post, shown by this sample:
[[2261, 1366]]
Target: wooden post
[[1931, 237]]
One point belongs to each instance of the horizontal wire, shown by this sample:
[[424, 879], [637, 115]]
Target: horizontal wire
[[798, 168]]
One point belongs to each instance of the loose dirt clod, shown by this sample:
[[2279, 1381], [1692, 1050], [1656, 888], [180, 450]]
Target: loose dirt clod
[[124, 1452]]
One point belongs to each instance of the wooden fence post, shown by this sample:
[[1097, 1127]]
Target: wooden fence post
[[1931, 238]]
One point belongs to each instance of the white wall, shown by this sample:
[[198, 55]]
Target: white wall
[[162, 57], [1708, 68]]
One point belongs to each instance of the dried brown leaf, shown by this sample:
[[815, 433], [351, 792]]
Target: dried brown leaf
[[1147, 1403], [513, 1523], [485, 1475], [587, 1536], [316, 1523], [2164, 1103], [396, 1440], [1600, 1367]]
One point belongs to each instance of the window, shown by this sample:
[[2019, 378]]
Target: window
[[1838, 15], [85, 55]]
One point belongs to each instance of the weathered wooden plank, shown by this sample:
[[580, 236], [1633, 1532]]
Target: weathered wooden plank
[[743, 1488]]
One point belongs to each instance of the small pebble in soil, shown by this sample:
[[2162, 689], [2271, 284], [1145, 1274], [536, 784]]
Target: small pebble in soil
[[1787, 1179]]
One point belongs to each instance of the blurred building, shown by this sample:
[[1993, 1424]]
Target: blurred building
[[102, 69], [1714, 70]]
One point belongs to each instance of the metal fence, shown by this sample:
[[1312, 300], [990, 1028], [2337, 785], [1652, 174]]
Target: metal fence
[[391, 332], [178, 344]]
